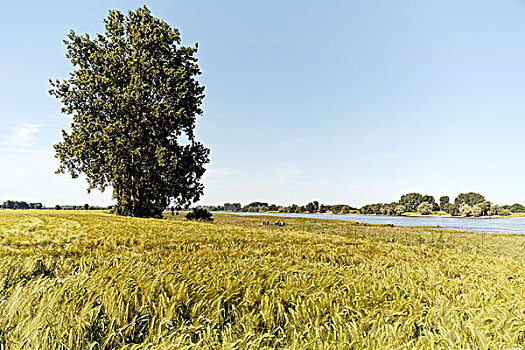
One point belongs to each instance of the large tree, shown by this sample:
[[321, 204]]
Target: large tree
[[411, 201], [471, 198], [133, 97]]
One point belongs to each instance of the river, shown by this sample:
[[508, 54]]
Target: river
[[496, 225]]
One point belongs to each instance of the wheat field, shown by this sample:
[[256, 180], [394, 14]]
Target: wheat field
[[90, 280]]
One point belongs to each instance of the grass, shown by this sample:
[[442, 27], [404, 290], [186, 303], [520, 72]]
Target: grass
[[89, 280]]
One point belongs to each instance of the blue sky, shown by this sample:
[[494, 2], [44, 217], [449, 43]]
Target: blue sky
[[337, 101]]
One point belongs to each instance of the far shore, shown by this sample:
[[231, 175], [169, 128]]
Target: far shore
[[411, 214]]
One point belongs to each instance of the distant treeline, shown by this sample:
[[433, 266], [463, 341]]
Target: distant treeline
[[25, 205], [20, 205], [466, 204], [261, 207]]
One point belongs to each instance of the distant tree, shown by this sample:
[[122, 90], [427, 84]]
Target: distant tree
[[255, 207], [232, 206], [465, 209], [411, 201], [453, 209], [497, 210], [336, 208], [485, 207], [494, 210], [476, 211], [86, 206], [516, 208], [345, 209], [273, 207], [470, 198], [429, 199], [323, 208], [310, 207], [58, 207], [443, 201], [133, 96], [425, 208], [400, 209], [370, 209]]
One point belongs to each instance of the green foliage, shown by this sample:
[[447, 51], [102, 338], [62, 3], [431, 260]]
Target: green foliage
[[256, 207], [312, 207], [371, 209], [470, 198], [133, 97], [411, 201], [453, 209], [497, 210], [232, 206], [20, 205], [429, 199], [465, 209], [425, 208], [516, 208], [505, 212], [383, 209], [443, 201], [485, 207], [476, 211], [199, 214], [399, 209]]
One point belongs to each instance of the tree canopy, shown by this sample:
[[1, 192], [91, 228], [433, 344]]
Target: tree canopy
[[133, 97], [412, 200], [471, 198]]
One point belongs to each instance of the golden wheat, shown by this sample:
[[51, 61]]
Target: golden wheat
[[84, 280]]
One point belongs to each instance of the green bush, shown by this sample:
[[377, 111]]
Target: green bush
[[199, 214]]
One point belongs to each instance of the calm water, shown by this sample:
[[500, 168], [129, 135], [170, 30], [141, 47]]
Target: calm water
[[500, 225]]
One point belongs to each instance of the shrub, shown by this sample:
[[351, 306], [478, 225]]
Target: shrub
[[199, 214]]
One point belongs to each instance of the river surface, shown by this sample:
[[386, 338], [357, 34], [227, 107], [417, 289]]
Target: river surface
[[497, 225]]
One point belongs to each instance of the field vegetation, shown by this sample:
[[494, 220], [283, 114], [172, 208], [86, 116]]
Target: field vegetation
[[90, 280]]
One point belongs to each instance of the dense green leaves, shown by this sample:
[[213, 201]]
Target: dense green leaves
[[471, 198], [133, 98]]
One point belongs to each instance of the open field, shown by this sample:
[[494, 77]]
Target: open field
[[89, 280]]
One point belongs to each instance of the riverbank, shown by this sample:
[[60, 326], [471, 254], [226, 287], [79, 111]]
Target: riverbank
[[493, 225], [406, 214]]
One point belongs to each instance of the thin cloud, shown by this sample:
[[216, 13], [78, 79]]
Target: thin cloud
[[23, 135], [26, 151]]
